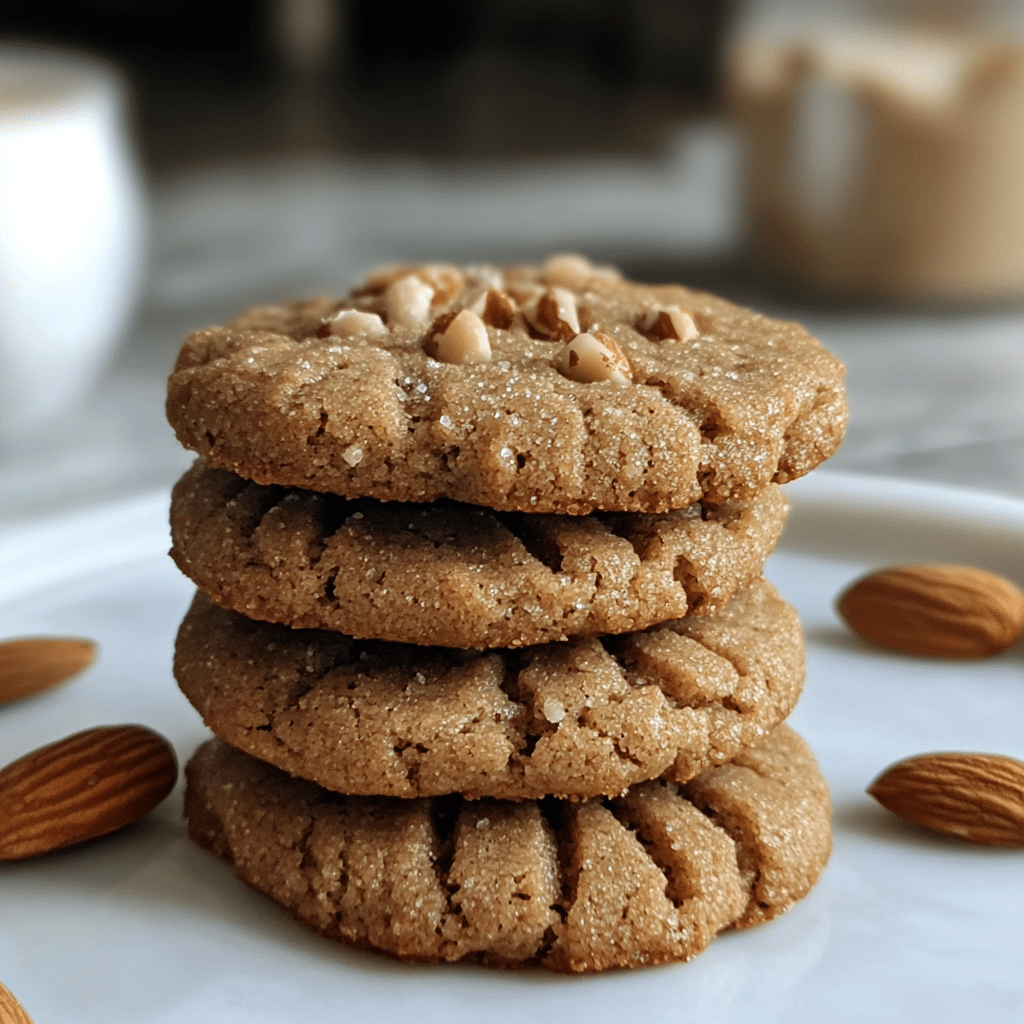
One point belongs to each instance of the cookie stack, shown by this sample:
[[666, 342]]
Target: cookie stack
[[481, 626]]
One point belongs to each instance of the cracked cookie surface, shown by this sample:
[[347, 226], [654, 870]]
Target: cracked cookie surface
[[648, 877], [458, 575], [581, 718], [358, 396]]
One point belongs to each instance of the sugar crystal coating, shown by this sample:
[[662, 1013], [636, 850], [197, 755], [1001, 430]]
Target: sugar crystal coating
[[582, 718], [648, 877], [277, 399], [460, 575]]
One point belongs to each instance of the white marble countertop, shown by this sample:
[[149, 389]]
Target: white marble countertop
[[935, 395], [902, 927]]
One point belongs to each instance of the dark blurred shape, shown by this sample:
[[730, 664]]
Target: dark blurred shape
[[410, 38], [454, 78], [214, 38], [201, 71]]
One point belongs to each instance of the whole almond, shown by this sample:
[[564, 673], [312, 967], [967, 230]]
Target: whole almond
[[33, 664], [11, 1011], [934, 609], [81, 787], [977, 797]]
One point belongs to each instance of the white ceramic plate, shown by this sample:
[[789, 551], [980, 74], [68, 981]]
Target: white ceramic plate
[[142, 927]]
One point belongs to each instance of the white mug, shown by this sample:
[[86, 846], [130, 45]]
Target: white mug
[[72, 228]]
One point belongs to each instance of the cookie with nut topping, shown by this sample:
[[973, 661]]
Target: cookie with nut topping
[[561, 388], [458, 575], [647, 877], [586, 717]]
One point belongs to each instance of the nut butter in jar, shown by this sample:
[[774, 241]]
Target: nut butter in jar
[[885, 158]]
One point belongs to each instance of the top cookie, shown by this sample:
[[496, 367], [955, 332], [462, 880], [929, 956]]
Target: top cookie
[[556, 389]]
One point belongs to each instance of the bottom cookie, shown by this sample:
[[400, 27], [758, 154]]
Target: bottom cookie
[[649, 877]]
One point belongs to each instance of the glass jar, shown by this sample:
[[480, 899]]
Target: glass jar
[[884, 145]]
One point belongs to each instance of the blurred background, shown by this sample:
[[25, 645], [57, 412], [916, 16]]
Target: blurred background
[[855, 166]]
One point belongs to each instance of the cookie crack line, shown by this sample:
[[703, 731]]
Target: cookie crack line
[[391, 415], [475, 578], [564, 718], [571, 887]]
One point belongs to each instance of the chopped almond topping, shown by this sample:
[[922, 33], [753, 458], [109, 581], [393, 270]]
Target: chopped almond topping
[[554, 315], [594, 357], [568, 270], [463, 340], [354, 323], [407, 301], [498, 310], [670, 323], [445, 280]]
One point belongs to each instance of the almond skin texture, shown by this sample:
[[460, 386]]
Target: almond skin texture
[[33, 664], [936, 610], [977, 797], [11, 1011], [83, 786]]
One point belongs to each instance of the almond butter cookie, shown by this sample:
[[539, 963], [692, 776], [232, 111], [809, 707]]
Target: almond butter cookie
[[586, 717], [645, 878], [561, 389], [460, 575]]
